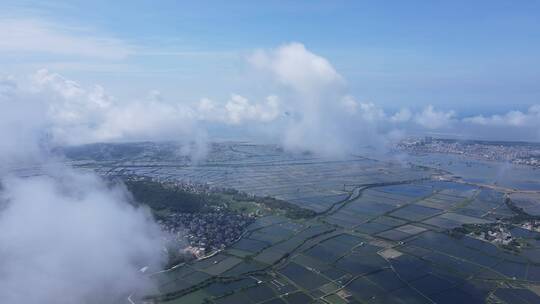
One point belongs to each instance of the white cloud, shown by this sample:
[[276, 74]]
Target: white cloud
[[371, 112], [67, 88], [73, 240], [349, 104], [294, 66], [38, 36], [69, 235], [318, 118], [322, 117], [207, 108], [239, 108], [432, 119], [76, 114], [512, 118], [404, 115]]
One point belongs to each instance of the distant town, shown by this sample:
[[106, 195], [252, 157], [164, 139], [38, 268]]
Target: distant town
[[515, 152]]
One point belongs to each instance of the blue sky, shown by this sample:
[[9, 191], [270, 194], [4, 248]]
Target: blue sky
[[469, 56]]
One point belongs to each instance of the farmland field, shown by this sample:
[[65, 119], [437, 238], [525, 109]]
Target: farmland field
[[382, 231]]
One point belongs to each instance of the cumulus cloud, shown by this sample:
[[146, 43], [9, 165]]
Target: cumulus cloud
[[349, 104], [295, 66], [312, 110], [80, 115], [371, 112], [432, 119], [66, 236], [512, 125], [512, 118], [403, 115], [307, 107], [312, 82], [238, 110], [322, 116]]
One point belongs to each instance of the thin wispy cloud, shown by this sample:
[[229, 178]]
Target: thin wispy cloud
[[35, 36]]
